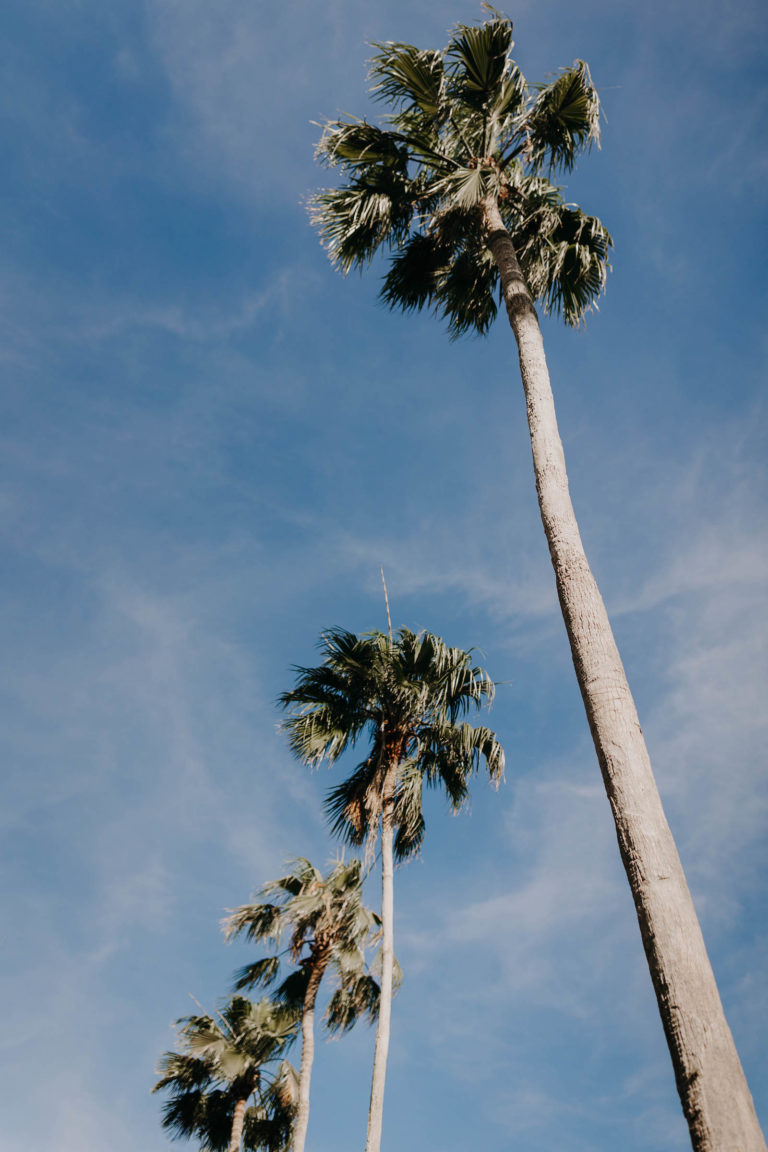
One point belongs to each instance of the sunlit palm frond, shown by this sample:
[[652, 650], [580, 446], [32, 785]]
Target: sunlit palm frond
[[563, 120], [408, 79], [259, 974], [255, 921], [479, 56], [352, 144], [355, 221], [465, 188], [563, 254], [292, 990]]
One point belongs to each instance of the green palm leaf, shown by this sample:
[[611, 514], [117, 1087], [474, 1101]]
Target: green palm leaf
[[408, 79], [479, 55], [564, 119]]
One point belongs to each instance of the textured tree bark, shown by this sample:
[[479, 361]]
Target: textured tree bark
[[376, 1109], [713, 1089], [236, 1136], [307, 1055]]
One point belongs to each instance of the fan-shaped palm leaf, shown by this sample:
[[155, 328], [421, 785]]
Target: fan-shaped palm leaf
[[564, 119]]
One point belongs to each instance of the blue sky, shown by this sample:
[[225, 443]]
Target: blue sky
[[211, 441]]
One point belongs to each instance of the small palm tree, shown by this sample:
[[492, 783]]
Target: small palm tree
[[329, 928], [223, 1066], [406, 696], [458, 185]]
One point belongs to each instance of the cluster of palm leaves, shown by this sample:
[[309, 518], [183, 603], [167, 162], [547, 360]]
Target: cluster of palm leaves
[[406, 697], [229, 1087]]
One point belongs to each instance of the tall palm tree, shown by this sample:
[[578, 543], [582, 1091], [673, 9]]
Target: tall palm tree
[[457, 185], [329, 928], [222, 1066], [406, 696]]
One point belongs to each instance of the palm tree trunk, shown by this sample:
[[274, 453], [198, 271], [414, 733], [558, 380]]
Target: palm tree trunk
[[236, 1137], [376, 1109], [712, 1086], [307, 1056]]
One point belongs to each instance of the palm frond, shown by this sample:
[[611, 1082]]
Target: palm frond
[[259, 974], [479, 54], [355, 143], [564, 119], [407, 78], [185, 1073], [563, 253], [254, 921], [408, 815], [355, 221], [352, 1002], [412, 277], [465, 188]]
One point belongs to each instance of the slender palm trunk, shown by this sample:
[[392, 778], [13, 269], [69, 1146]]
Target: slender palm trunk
[[236, 1136], [712, 1086], [376, 1109], [307, 1054]]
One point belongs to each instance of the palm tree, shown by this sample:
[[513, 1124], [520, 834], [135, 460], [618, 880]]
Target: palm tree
[[406, 697], [220, 1068], [329, 928], [457, 185]]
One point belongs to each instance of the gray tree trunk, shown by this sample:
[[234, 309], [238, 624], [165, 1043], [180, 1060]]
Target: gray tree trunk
[[712, 1086], [236, 1137], [376, 1109], [307, 1057]]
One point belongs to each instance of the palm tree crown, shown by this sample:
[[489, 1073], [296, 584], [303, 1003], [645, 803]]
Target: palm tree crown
[[464, 126], [327, 925], [408, 696], [225, 1062]]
